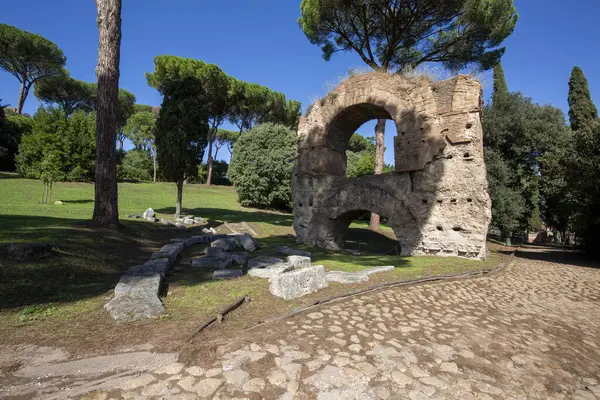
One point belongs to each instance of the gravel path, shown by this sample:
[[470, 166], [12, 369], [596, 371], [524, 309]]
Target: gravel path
[[531, 332]]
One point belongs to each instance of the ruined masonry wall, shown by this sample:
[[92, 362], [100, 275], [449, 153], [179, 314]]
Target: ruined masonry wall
[[436, 200]]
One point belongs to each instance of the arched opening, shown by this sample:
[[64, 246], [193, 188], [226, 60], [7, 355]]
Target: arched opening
[[354, 229], [348, 122]]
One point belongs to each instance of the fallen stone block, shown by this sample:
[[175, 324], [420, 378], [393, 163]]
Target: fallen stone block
[[298, 261], [156, 266], [206, 231], [188, 221], [270, 271], [212, 263], [134, 308], [377, 270], [199, 220], [297, 283], [227, 274], [138, 285], [239, 258], [263, 261], [149, 215], [225, 244], [236, 239], [170, 251], [248, 242], [346, 277], [217, 252], [288, 251]]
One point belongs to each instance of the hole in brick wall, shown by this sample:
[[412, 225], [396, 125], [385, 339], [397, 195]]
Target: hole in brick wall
[[422, 140], [467, 155], [403, 133], [457, 229], [449, 156], [439, 228], [469, 200], [424, 201], [469, 125], [300, 204], [453, 201], [440, 201]]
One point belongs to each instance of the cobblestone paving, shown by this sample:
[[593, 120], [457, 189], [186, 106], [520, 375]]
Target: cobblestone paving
[[531, 332]]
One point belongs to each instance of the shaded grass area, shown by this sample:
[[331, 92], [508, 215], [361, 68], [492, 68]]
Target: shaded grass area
[[59, 301]]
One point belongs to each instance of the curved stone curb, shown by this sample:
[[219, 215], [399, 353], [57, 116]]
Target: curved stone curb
[[136, 294], [356, 277]]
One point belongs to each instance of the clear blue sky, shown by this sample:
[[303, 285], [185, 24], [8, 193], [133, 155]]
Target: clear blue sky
[[259, 41]]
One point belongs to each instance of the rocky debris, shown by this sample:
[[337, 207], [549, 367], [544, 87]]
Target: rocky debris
[[189, 221], [136, 297], [217, 252], [346, 277], [194, 240], [59, 203], [297, 283], [227, 274], [225, 244], [356, 277], [199, 220], [166, 222], [28, 251], [212, 263], [149, 215], [248, 242], [207, 231], [180, 225], [288, 251], [298, 261]]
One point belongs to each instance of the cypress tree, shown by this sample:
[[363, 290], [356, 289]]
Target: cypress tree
[[583, 114], [500, 86]]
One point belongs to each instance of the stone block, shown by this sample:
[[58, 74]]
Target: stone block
[[377, 270], [156, 266], [239, 258], [346, 277], [138, 285], [149, 215], [248, 242], [288, 251], [298, 283], [263, 262], [188, 221], [298, 261], [199, 220], [212, 263], [225, 244], [217, 252], [134, 308], [270, 271], [227, 274]]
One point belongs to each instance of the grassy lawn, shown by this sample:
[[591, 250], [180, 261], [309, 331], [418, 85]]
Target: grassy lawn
[[59, 301]]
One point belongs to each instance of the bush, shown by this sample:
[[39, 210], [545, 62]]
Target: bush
[[72, 139], [136, 166], [261, 166], [12, 128]]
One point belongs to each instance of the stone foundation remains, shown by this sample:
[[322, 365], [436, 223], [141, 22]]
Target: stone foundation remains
[[436, 200]]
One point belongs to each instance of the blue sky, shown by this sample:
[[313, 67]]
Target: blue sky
[[259, 41]]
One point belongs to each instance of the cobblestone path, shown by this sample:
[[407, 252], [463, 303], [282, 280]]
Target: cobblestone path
[[530, 332]]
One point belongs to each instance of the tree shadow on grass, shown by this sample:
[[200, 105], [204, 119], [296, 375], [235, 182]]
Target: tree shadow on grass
[[86, 201], [216, 216], [88, 261]]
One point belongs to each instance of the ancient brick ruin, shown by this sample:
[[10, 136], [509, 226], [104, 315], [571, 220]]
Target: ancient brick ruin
[[436, 200]]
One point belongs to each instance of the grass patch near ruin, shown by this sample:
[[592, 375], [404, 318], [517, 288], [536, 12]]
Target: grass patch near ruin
[[58, 301]]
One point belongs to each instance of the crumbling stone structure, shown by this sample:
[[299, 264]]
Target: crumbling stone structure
[[436, 200]]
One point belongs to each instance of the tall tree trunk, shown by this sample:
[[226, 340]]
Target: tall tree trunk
[[209, 163], [106, 207], [179, 197], [22, 95], [154, 162], [379, 153]]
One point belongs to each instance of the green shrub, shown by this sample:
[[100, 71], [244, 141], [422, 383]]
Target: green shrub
[[219, 175], [261, 166], [136, 166]]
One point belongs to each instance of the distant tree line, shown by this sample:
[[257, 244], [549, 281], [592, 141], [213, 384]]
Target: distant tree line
[[541, 171]]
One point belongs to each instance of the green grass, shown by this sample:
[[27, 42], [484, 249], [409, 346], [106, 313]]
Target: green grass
[[59, 300]]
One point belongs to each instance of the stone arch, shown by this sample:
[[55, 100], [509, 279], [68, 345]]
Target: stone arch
[[436, 123]]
